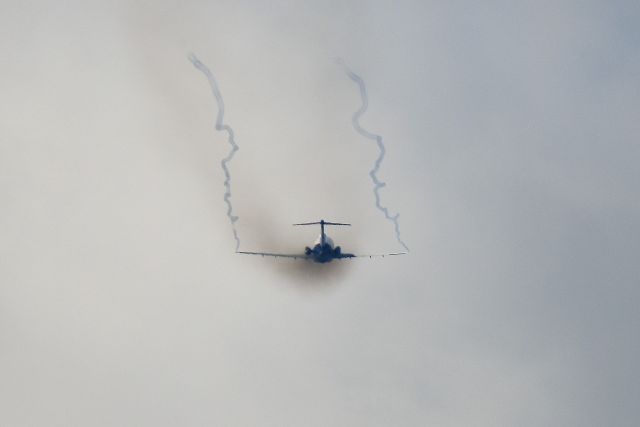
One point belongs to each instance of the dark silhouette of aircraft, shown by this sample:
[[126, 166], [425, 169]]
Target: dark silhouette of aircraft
[[323, 249]]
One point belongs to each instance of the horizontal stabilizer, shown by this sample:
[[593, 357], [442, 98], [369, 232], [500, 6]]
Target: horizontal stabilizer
[[322, 222]]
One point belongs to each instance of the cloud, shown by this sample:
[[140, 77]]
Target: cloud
[[510, 132]]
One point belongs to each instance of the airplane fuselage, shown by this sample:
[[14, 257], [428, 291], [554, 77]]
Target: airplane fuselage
[[323, 249], [323, 253]]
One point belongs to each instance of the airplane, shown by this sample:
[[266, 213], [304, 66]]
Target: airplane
[[323, 250]]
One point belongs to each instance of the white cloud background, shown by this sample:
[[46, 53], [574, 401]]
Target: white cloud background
[[511, 132]]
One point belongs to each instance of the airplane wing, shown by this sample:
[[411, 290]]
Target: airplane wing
[[372, 255], [294, 256], [303, 256]]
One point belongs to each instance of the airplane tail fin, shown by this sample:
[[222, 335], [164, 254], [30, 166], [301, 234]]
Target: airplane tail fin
[[322, 223]]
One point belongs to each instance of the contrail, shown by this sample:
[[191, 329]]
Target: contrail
[[230, 137], [355, 120]]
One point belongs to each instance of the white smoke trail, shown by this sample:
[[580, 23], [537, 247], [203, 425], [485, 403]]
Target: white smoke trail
[[355, 120], [230, 137]]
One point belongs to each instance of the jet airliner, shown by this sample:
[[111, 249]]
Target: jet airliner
[[323, 249]]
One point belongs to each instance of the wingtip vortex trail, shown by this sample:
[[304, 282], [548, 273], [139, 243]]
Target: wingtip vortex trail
[[221, 126], [355, 121]]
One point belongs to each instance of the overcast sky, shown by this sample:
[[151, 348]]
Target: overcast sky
[[511, 131]]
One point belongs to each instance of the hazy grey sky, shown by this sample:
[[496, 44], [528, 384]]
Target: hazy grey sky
[[512, 151]]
